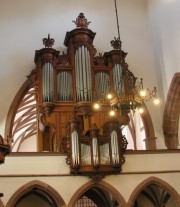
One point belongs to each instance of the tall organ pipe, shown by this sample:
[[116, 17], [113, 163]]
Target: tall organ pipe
[[75, 147], [118, 79], [47, 82], [114, 147], [83, 74], [95, 151], [77, 77]]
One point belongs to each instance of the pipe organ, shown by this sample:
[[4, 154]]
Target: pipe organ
[[67, 85]]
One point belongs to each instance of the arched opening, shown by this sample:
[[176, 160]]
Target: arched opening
[[21, 122], [140, 131], [171, 114], [98, 194], [36, 194], [154, 192]]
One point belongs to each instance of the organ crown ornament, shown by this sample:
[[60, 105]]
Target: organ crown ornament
[[116, 43], [48, 42], [81, 21]]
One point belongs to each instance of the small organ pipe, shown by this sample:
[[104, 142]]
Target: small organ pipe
[[114, 147], [75, 148], [64, 86], [102, 81], [95, 151]]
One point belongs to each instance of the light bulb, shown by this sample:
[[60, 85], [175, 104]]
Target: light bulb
[[109, 96], [156, 101], [112, 113], [96, 106], [142, 93], [140, 110]]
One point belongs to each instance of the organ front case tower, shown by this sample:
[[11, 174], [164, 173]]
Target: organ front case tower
[[67, 85]]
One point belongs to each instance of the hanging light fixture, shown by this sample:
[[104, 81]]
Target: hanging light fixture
[[132, 94]]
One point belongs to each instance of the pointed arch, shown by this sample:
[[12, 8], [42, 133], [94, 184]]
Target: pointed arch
[[149, 129], [13, 108], [171, 113], [150, 139], [102, 185], [36, 184], [159, 182], [21, 121]]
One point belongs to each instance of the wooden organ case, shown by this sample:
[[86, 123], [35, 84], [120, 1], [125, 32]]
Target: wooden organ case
[[66, 87]]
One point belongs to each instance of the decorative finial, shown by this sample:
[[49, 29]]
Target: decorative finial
[[116, 43], [81, 21], [48, 42]]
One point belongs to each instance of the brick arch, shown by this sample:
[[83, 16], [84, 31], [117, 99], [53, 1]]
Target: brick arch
[[102, 185], [158, 182], [36, 184], [149, 129], [171, 113]]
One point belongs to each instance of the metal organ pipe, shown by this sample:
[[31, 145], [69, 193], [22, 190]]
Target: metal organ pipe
[[114, 147], [118, 79], [85, 154], [102, 83], [104, 153], [83, 74], [64, 86], [75, 147], [95, 151], [47, 82], [89, 80], [77, 77]]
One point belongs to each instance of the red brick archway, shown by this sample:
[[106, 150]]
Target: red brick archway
[[171, 113], [36, 184], [158, 182], [102, 185]]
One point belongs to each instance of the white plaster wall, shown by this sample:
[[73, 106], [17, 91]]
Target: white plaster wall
[[35, 164], [125, 184], [164, 28], [53, 171], [24, 23], [165, 32]]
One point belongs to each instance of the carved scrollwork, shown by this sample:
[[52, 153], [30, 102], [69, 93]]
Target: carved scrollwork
[[97, 177], [99, 60], [4, 150], [32, 78], [64, 59], [124, 143]]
